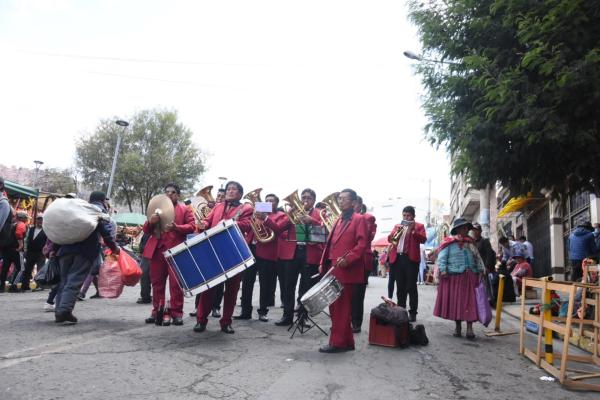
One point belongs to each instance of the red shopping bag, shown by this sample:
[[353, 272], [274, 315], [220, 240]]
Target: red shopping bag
[[110, 284], [130, 270]]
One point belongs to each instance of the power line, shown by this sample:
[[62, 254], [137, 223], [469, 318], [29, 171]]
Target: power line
[[157, 79], [132, 60]]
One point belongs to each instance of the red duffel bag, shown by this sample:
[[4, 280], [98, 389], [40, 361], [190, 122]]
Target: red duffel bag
[[130, 269]]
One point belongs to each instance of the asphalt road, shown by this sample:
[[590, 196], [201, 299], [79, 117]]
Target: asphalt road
[[112, 354]]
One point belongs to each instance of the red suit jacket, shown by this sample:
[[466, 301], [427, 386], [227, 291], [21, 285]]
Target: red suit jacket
[[287, 239], [411, 243], [220, 213], [184, 224], [348, 240], [371, 230]]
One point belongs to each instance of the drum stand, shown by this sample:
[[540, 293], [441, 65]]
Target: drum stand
[[301, 324]]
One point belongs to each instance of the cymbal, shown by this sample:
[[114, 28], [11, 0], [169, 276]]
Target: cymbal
[[162, 205]]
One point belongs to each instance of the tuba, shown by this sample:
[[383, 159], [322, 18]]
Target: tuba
[[331, 212], [262, 233], [294, 208], [200, 203]]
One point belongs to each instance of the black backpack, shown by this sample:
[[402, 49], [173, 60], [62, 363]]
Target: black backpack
[[417, 335]]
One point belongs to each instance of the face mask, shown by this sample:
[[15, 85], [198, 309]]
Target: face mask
[[472, 235]]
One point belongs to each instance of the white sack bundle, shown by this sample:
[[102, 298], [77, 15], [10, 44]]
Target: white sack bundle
[[68, 221]]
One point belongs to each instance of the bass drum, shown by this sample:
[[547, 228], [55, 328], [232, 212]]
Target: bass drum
[[321, 295]]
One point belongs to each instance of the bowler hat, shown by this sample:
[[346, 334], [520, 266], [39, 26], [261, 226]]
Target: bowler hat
[[458, 222]]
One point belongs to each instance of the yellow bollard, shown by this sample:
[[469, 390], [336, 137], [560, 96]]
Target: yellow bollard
[[499, 302], [499, 298], [548, 339]]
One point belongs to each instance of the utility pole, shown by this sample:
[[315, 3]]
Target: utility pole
[[429, 204]]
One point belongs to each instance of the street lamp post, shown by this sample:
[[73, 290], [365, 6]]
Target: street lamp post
[[415, 56], [123, 124], [223, 180], [38, 164]]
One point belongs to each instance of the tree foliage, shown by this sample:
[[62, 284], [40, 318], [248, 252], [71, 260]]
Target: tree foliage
[[517, 97], [155, 149], [55, 180]]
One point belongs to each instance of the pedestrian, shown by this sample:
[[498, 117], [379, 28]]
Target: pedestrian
[[521, 270], [529, 247], [145, 286], [582, 244], [422, 266], [34, 243], [461, 268], [75, 261], [5, 231], [14, 252]]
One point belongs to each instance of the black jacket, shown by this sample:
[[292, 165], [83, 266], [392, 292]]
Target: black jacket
[[35, 245]]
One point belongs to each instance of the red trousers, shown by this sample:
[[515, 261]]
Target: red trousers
[[159, 271], [232, 286], [341, 318]]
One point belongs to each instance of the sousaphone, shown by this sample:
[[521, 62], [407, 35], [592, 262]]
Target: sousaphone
[[162, 206]]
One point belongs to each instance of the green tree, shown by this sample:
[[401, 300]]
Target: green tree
[[516, 96], [156, 149], [55, 180]]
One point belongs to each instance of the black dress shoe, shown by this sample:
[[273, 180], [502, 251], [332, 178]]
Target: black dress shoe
[[412, 317], [143, 301], [193, 314], [66, 317], [177, 321], [284, 322], [263, 318], [216, 313], [150, 320], [242, 316], [199, 327], [227, 329], [330, 349]]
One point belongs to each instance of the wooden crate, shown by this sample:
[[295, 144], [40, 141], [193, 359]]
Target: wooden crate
[[543, 356]]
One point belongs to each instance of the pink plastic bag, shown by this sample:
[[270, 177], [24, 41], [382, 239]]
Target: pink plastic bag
[[110, 284], [484, 311], [130, 270]]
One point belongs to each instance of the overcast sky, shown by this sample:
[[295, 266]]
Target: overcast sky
[[280, 94]]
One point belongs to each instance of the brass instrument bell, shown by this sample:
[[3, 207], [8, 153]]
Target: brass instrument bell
[[294, 208], [262, 233], [331, 212]]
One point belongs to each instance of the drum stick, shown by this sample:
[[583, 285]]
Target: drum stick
[[335, 265]]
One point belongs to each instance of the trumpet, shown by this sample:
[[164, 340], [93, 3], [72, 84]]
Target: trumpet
[[262, 233], [294, 208], [396, 238], [331, 212]]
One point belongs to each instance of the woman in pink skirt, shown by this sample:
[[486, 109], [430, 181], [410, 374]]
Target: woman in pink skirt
[[461, 268]]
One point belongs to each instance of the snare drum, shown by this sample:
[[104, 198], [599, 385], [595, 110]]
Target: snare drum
[[210, 258], [322, 294]]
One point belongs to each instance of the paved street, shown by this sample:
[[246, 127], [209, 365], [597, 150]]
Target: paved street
[[112, 354]]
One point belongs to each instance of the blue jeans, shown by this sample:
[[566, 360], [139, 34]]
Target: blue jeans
[[73, 270]]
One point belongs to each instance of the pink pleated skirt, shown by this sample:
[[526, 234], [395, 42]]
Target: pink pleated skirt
[[456, 297]]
